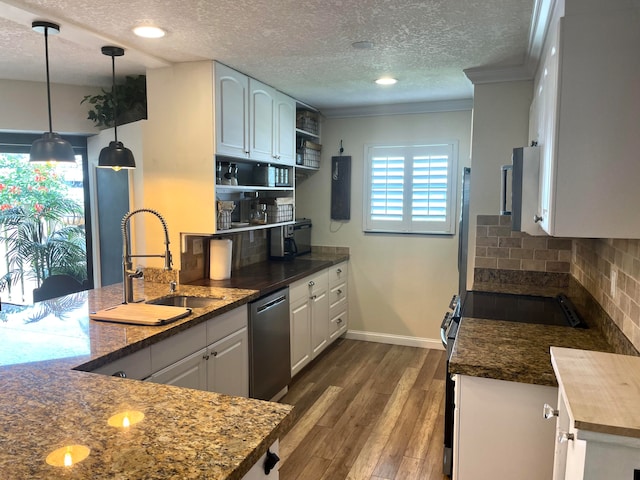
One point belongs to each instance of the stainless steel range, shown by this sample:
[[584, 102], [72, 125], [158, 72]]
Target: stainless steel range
[[540, 310]]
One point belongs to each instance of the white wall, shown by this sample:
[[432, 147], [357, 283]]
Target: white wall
[[399, 284], [500, 123], [24, 107]]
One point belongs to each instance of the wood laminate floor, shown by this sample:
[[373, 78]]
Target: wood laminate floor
[[366, 411]]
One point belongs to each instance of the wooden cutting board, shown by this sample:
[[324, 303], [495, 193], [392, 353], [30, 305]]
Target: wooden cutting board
[[140, 314]]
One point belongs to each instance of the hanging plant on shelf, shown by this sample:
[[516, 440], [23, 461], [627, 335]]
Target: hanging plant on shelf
[[132, 103]]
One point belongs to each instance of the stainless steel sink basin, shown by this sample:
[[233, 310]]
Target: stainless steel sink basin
[[186, 301]]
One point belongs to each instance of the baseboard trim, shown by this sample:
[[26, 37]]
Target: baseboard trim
[[406, 341]]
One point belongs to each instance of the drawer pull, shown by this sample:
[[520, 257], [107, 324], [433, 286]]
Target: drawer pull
[[339, 292], [564, 437], [312, 283], [120, 374], [339, 271], [206, 356], [339, 321], [549, 412]]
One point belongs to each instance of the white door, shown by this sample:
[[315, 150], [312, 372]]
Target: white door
[[232, 112], [300, 316], [190, 372], [262, 117], [319, 320], [228, 365], [285, 129]]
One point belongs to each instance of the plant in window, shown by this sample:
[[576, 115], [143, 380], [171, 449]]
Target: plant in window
[[39, 227], [132, 103]]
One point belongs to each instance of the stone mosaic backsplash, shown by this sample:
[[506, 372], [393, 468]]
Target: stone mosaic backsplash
[[595, 262], [497, 247]]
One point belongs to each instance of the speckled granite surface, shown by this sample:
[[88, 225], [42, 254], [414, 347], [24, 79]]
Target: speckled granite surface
[[44, 405], [520, 352]]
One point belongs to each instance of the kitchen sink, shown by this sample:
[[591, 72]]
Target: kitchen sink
[[186, 301]]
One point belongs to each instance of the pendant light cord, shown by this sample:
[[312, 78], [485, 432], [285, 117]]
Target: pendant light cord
[[46, 56], [113, 95]]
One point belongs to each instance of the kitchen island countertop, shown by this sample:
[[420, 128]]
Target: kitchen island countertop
[[50, 401]]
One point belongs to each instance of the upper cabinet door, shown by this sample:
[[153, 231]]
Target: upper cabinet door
[[284, 141], [261, 114], [231, 112]]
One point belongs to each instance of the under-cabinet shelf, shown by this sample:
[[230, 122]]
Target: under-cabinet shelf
[[304, 133]]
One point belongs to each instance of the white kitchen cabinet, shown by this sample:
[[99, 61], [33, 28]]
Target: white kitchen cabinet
[[318, 313], [212, 356], [588, 121], [136, 365], [262, 117], [228, 365], [499, 430], [189, 372], [338, 300], [601, 440], [300, 320], [284, 129], [231, 112]]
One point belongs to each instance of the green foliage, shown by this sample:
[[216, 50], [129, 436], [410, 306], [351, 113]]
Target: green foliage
[[132, 103], [36, 223]]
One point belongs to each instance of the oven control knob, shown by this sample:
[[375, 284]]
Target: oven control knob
[[549, 412]]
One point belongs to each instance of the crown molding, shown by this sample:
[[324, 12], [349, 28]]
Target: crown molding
[[540, 18], [400, 108]]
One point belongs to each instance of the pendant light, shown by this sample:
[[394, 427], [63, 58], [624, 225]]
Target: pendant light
[[116, 155], [51, 147]]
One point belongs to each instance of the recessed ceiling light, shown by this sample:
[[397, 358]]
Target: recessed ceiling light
[[364, 45], [149, 31], [386, 81]]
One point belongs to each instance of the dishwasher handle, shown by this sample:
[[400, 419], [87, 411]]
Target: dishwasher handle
[[271, 304]]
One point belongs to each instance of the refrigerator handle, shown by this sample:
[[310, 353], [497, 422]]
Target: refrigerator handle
[[503, 189]]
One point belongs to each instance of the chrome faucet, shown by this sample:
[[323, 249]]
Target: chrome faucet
[[127, 273]]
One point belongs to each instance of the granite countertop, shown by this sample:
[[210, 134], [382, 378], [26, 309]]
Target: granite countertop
[[520, 352], [266, 277], [46, 403]]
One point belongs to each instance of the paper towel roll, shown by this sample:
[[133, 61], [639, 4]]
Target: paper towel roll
[[220, 259]]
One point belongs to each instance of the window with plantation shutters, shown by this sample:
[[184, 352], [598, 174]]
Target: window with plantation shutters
[[411, 188]]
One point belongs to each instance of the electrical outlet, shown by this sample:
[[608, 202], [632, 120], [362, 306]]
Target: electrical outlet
[[197, 246], [614, 282]]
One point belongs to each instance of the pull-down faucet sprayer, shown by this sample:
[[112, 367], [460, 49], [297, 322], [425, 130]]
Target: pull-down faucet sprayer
[[128, 274]]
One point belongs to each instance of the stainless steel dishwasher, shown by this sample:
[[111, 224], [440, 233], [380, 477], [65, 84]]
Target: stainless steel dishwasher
[[269, 345]]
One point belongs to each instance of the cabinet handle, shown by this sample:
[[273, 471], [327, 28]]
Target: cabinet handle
[[537, 219], [339, 292], [120, 374], [339, 321], [564, 437], [549, 412], [312, 283], [215, 354], [339, 271], [206, 356], [313, 297]]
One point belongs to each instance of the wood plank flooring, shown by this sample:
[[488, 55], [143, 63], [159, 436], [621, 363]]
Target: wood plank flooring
[[366, 411]]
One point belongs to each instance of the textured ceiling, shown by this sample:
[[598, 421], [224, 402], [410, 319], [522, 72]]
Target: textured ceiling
[[300, 47]]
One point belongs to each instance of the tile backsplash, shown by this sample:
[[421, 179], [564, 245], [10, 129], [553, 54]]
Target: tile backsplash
[[248, 248], [497, 247], [595, 262]]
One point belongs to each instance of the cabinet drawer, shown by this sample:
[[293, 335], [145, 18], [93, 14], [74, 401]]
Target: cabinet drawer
[[177, 347], [338, 296], [305, 287], [338, 274], [338, 324], [137, 365], [227, 323]]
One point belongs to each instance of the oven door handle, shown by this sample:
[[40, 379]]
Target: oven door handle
[[444, 326]]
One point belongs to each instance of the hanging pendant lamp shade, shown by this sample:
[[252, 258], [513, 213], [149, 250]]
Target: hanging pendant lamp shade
[[116, 155], [51, 147]]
